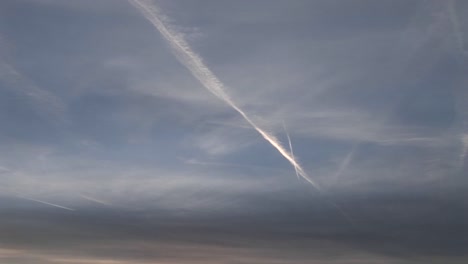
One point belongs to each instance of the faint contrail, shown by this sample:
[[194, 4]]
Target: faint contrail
[[89, 198], [345, 163], [43, 202], [200, 71], [456, 27], [48, 103]]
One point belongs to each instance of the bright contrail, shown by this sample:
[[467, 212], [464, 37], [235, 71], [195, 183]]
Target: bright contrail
[[200, 71]]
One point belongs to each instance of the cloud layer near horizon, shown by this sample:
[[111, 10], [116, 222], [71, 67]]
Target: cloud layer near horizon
[[98, 116]]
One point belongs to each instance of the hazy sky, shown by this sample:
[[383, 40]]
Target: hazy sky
[[123, 140]]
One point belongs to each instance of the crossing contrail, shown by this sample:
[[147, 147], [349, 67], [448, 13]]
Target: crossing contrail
[[290, 147], [194, 63]]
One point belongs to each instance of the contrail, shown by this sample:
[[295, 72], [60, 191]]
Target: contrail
[[345, 163], [193, 62], [89, 198], [43, 202], [290, 147]]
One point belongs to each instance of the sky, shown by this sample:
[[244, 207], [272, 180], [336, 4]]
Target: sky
[[233, 132]]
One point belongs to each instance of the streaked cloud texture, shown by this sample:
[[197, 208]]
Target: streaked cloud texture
[[118, 146]]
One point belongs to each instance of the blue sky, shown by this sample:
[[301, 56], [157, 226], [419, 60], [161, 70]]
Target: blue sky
[[123, 138]]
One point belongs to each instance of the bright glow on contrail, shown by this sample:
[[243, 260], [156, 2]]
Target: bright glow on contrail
[[200, 71]]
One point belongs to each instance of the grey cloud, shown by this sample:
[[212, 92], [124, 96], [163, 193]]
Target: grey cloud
[[97, 115]]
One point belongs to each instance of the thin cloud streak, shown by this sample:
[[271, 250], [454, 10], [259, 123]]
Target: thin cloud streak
[[47, 102], [43, 202], [345, 163], [200, 71], [290, 147], [452, 12], [92, 199]]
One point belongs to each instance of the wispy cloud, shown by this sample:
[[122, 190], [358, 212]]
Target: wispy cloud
[[49, 104], [456, 27], [170, 164], [464, 151]]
